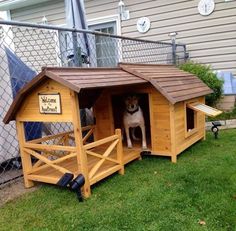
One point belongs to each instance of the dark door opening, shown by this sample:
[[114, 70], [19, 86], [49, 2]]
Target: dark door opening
[[118, 107]]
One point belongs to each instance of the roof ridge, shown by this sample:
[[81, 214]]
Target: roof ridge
[[79, 68]]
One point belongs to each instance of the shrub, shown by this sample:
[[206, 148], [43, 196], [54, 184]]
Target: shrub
[[205, 73]]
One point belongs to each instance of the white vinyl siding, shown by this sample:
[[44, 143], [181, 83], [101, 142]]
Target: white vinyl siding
[[53, 10], [209, 39]]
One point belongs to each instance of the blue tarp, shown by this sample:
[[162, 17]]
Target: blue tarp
[[229, 87], [20, 74]]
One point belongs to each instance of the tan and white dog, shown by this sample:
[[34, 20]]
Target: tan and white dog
[[132, 118]]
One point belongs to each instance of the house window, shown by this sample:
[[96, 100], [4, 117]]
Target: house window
[[106, 47]]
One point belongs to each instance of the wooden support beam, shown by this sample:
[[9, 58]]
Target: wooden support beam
[[37, 164], [85, 128], [102, 157], [57, 161], [89, 133], [46, 138], [61, 141], [81, 155], [104, 174], [26, 159], [45, 147], [100, 142], [46, 179], [66, 140], [120, 154]]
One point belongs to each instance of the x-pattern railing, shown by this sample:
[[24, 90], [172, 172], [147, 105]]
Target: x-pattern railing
[[115, 142]]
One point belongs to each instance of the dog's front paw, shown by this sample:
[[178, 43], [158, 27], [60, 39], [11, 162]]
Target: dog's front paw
[[130, 146]]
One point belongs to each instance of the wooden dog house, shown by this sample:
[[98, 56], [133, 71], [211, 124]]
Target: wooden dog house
[[172, 101]]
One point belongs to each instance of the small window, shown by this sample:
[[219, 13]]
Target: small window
[[190, 117], [191, 124], [192, 109]]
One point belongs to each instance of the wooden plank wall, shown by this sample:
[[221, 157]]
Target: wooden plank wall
[[182, 142], [104, 118], [29, 111], [160, 125]]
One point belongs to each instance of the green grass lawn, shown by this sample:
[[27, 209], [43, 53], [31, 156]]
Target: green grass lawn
[[154, 194]]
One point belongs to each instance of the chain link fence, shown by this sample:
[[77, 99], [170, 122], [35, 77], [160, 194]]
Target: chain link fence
[[26, 48]]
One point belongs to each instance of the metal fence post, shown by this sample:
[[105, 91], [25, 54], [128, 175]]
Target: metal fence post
[[186, 54], [75, 49], [173, 52], [173, 41]]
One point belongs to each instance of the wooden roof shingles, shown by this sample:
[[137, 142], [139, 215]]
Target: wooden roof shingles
[[174, 84], [84, 78]]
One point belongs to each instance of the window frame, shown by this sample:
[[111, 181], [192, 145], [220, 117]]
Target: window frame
[[106, 19], [100, 22]]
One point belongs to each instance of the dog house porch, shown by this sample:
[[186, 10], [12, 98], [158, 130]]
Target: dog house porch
[[104, 157]]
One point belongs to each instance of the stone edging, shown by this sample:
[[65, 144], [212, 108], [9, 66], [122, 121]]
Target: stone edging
[[225, 124]]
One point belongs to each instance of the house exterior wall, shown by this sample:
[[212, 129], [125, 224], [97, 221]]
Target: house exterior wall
[[210, 39], [226, 103], [54, 11]]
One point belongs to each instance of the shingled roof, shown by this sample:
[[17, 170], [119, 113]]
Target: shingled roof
[[174, 84]]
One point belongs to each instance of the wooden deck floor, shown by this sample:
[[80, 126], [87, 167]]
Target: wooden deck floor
[[50, 175]]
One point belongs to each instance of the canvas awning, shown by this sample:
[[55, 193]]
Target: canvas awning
[[210, 111]]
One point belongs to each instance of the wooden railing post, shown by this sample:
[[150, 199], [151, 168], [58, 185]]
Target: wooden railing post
[[25, 157], [81, 155], [120, 154]]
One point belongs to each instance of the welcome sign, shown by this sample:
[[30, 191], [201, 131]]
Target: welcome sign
[[50, 103]]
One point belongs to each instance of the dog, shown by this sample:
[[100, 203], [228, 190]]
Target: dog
[[132, 118]]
